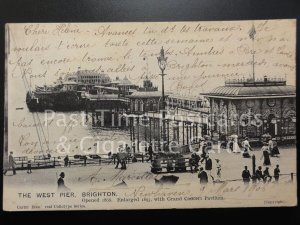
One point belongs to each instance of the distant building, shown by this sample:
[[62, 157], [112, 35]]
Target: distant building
[[88, 77], [69, 86], [146, 99], [252, 108], [91, 77], [126, 87], [192, 103]]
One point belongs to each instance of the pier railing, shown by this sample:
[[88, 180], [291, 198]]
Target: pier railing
[[42, 161]]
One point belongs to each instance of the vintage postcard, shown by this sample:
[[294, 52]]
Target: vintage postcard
[[150, 115]]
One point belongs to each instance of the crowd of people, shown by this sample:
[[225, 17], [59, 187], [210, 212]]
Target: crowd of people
[[122, 156], [199, 161], [260, 176]]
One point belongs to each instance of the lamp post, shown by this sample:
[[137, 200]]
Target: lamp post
[[162, 63]]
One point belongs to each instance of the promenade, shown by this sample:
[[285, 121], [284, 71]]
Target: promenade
[[107, 176]]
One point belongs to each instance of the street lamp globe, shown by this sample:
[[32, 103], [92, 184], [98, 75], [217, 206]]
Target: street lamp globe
[[162, 60]]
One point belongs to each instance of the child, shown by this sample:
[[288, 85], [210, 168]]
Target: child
[[29, 166]]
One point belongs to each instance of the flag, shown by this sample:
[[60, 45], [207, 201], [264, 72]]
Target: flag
[[252, 32]]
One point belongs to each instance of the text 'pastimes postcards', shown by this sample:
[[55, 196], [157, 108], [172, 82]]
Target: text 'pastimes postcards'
[[150, 115]]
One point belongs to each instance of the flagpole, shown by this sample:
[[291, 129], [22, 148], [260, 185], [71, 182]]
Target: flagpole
[[253, 52], [252, 33]]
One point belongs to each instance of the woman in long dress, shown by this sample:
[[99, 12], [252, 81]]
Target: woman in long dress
[[275, 150], [246, 148], [218, 169], [266, 155], [235, 146]]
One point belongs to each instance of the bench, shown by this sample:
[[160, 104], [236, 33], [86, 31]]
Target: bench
[[186, 166]]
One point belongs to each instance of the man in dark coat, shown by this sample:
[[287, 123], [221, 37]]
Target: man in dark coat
[[11, 164], [267, 175], [203, 176], [150, 152], [204, 151], [61, 183], [276, 173], [246, 175], [66, 160], [259, 174], [274, 150], [29, 166], [208, 163], [194, 162]]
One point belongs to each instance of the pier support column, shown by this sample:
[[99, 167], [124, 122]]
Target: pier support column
[[178, 128], [158, 128], [133, 134], [191, 134], [138, 134], [168, 131], [145, 124], [182, 132], [150, 130], [93, 118], [187, 134], [197, 132], [130, 130]]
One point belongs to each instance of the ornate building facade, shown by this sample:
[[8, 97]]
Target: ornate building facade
[[252, 109], [145, 99]]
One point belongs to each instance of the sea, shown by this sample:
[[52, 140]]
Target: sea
[[61, 133]]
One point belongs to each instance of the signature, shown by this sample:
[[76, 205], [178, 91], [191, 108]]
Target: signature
[[97, 177], [160, 191]]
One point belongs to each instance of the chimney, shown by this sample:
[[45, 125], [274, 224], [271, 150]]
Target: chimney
[[265, 78]]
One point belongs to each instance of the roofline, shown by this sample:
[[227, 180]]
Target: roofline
[[130, 96], [251, 97]]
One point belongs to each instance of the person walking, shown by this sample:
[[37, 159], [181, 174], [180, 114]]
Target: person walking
[[66, 160], [230, 143], [246, 147], [267, 175], [235, 144], [246, 175], [61, 183], [118, 156], [276, 173], [29, 166], [259, 174], [123, 159], [275, 151], [194, 162], [204, 151], [218, 167], [127, 149], [203, 176], [208, 165], [266, 155], [11, 164], [150, 152], [270, 144]]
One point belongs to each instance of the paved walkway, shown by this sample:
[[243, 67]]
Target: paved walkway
[[107, 175]]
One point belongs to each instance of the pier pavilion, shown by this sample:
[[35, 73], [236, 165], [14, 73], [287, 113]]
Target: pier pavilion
[[183, 126], [251, 108]]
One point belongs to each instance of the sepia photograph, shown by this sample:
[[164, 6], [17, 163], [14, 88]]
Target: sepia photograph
[[150, 115]]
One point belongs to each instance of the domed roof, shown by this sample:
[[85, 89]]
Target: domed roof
[[254, 88], [146, 94], [91, 73], [253, 91], [125, 82]]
